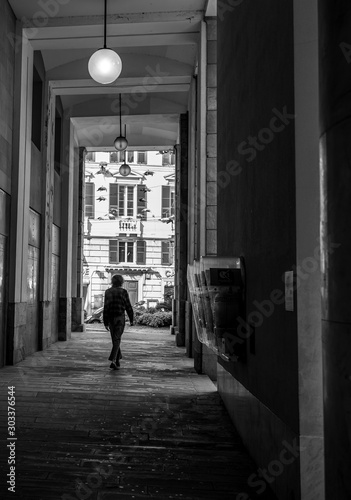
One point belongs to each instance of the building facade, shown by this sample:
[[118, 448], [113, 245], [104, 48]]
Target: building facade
[[129, 226]]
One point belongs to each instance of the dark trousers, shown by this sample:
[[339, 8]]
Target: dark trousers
[[116, 326]]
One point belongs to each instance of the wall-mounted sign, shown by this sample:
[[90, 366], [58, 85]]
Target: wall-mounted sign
[[289, 291]]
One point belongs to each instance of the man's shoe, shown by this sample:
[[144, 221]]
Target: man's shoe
[[118, 364], [114, 366]]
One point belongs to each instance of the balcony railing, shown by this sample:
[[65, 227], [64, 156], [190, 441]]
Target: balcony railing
[[113, 227], [128, 225]]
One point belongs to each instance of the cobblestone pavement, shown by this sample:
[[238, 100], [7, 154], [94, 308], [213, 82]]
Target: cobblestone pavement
[[153, 429]]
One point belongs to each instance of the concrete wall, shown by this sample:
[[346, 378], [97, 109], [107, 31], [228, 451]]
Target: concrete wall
[[335, 123], [7, 61], [256, 214]]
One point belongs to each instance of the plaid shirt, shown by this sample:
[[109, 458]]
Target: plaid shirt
[[116, 303]]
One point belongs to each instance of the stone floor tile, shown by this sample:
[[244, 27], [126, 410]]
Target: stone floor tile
[[153, 429]]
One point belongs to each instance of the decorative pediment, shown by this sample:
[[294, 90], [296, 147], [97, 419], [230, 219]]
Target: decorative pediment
[[170, 178]]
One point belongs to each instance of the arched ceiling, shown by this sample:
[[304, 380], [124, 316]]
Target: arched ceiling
[[157, 41]]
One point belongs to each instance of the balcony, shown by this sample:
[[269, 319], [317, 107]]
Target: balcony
[[128, 225], [105, 228]]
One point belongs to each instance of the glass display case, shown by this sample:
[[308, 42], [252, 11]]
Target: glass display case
[[217, 294]]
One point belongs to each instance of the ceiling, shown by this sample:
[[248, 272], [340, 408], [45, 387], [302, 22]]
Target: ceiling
[[158, 44]]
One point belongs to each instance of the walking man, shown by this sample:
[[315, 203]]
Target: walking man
[[115, 305]]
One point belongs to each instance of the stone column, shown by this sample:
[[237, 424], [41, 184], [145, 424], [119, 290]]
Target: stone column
[[335, 119], [209, 361], [192, 208], [45, 322], [182, 230], [77, 285], [20, 196], [211, 130], [67, 179], [308, 305]]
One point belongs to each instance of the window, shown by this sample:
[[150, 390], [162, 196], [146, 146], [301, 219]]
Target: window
[[166, 253], [90, 157], [117, 157], [141, 252], [168, 158], [89, 200], [168, 201], [142, 157], [130, 201], [130, 251], [121, 251], [130, 156], [122, 199]]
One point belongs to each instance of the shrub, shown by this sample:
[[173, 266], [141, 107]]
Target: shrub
[[156, 319], [151, 310]]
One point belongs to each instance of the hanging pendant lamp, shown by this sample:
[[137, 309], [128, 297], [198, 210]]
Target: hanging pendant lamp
[[124, 168], [121, 142], [105, 65]]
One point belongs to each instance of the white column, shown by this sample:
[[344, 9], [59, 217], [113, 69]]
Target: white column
[[20, 189], [307, 237]]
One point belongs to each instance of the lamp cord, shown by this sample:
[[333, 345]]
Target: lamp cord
[[120, 114], [105, 15]]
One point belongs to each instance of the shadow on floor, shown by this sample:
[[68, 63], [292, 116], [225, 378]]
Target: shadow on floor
[[153, 429]]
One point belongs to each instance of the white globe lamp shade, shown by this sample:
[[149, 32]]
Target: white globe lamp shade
[[125, 170], [105, 66], [121, 143]]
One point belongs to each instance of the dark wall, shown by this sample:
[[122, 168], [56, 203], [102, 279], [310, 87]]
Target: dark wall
[[36, 180], [59, 162], [36, 175], [256, 200], [335, 112], [7, 61], [57, 200]]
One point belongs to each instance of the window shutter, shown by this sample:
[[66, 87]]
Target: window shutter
[[114, 197], [90, 156], [141, 252], [165, 209], [165, 260], [142, 157], [114, 157], [171, 253], [90, 200], [113, 252], [142, 204]]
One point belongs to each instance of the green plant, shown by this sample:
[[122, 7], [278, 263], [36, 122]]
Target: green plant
[[151, 310], [169, 295], [155, 320]]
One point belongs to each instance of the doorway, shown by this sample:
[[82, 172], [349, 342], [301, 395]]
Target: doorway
[[132, 289]]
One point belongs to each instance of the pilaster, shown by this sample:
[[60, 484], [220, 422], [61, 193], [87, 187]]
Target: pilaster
[[20, 195]]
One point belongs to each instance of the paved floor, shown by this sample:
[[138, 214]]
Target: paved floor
[[153, 429]]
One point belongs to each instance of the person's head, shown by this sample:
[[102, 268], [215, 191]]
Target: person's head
[[117, 280]]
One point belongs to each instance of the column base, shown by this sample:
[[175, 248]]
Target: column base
[[77, 315], [45, 325], [16, 332], [65, 319]]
